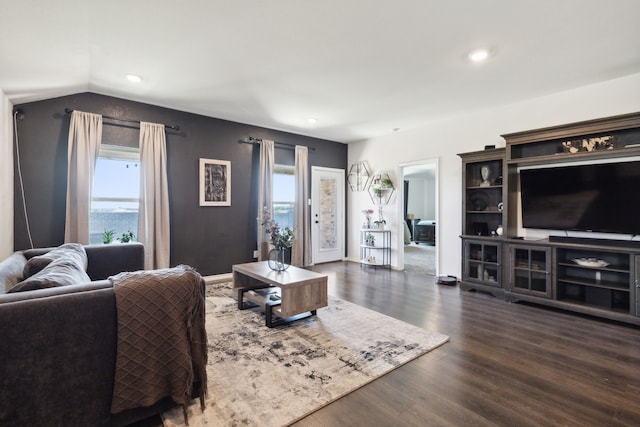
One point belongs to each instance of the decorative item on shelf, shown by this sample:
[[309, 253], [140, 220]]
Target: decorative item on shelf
[[381, 189], [606, 142], [498, 181], [369, 239], [280, 238], [499, 230], [485, 174], [367, 215], [358, 176], [481, 228], [500, 206], [590, 262], [479, 201], [380, 223]]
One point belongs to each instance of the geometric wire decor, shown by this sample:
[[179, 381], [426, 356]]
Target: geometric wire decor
[[358, 176]]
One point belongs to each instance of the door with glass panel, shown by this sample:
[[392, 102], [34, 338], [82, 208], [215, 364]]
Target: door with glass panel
[[327, 214]]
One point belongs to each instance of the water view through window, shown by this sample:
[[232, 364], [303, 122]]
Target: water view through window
[[115, 198]]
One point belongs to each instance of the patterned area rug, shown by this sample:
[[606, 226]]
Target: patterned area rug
[[273, 377]]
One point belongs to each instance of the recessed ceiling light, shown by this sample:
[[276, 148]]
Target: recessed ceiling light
[[478, 55], [312, 120], [134, 78]]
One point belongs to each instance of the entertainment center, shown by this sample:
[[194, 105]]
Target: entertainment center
[[539, 218]]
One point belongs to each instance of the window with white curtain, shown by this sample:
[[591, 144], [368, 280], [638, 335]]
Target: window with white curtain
[[116, 193], [284, 191]]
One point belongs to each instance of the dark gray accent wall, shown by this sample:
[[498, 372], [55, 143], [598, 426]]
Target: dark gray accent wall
[[211, 239]]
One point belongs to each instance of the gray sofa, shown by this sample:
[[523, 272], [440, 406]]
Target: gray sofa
[[58, 345]]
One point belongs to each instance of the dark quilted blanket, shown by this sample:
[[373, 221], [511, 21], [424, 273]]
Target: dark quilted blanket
[[162, 346]]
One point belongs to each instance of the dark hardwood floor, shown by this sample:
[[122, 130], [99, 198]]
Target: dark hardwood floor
[[506, 364]]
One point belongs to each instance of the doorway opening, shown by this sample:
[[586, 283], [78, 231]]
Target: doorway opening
[[420, 213]]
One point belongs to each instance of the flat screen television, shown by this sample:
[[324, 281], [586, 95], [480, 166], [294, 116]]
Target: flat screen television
[[601, 197]]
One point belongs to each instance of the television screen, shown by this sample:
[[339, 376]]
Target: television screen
[[596, 197]]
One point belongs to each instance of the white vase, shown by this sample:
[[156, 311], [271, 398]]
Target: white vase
[[499, 230]]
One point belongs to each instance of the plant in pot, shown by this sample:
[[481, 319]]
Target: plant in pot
[[280, 238], [381, 189], [107, 236], [127, 237]]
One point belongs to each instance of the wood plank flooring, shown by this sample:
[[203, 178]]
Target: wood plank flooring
[[506, 364]]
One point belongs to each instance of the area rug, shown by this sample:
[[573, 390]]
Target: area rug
[[274, 377], [420, 258]]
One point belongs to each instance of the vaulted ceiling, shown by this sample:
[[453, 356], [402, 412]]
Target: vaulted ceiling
[[360, 68]]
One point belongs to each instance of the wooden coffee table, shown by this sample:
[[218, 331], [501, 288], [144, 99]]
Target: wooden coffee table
[[285, 296]]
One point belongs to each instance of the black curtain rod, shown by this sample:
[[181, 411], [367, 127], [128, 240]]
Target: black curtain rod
[[174, 127], [252, 140]]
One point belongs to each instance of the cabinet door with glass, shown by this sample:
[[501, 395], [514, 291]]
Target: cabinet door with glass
[[530, 270], [482, 262]]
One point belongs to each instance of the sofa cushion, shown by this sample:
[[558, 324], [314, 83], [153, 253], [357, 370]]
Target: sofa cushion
[[72, 251], [59, 272]]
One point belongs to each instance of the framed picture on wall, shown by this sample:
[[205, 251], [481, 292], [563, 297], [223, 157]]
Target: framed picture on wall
[[215, 182]]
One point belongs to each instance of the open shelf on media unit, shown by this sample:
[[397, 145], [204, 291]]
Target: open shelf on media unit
[[607, 284]]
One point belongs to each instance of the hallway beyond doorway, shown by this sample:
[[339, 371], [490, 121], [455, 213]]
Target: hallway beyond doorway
[[420, 258]]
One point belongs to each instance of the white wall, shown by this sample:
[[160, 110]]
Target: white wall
[[446, 138], [422, 197], [6, 177]]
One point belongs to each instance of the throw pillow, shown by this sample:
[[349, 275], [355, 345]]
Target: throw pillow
[[60, 272], [35, 265], [73, 251]]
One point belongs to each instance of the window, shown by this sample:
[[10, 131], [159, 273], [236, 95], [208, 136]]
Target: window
[[116, 193], [284, 190]]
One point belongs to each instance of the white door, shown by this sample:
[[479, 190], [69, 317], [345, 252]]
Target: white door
[[327, 214]]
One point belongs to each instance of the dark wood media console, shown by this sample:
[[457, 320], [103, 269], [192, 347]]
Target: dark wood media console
[[599, 277]]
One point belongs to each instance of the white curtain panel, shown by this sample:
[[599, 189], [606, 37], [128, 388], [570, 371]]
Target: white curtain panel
[[85, 137], [265, 195], [302, 256], [153, 214]]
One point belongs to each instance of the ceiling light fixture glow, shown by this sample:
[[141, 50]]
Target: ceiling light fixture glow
[[312, 120], [478, 55], [134, 78]]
